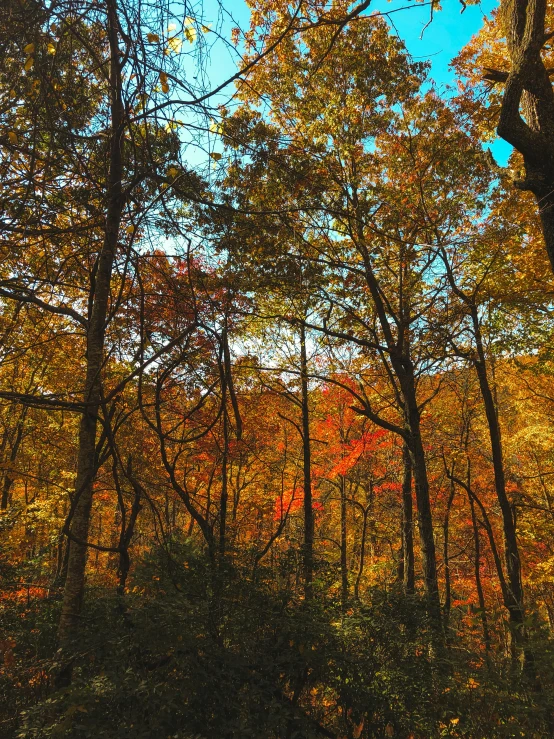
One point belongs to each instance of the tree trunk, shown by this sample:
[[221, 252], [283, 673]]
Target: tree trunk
[[8, 479], [224, 481], [365, 512], [86, 457], [514, 602], [477, 569], [308, 504], [408, 568], [529, 90], [343, 544], [422, 494], [446, 558]]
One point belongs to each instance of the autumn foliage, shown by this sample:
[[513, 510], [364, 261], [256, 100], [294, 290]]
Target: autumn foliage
[[276, 378]]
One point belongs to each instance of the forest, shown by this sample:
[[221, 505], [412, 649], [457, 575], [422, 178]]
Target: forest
[[276, 371]]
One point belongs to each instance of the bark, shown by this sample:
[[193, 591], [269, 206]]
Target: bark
[[8, 479], [306, 448], [529, 92], [514, 602], [408, 567], [446, 558], [343, 544], [365, 512], [224, 482], [402, 371], [225, 371], [422, 493], [86, 457], [477, 570]]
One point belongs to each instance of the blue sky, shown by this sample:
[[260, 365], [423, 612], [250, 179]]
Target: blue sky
[[441, 40]]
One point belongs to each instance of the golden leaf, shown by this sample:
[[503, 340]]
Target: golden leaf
[[163, 81], [174, 44], [12, 136], [29, 48], [29, 63]]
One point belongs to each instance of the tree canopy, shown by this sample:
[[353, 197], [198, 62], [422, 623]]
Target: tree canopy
[[276, 374]]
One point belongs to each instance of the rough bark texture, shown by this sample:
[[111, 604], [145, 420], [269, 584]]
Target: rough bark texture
[[86, 459], [527, 114]]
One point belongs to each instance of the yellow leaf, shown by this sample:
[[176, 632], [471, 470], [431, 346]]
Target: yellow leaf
[[29, 63], [175, 43], [216, 155], [51, 49], [164, 83], [172, 172], [12, 137], [153, 38], [13, 94], [171, 27], [29, 48], [454, 721], [130, 229], [190, 34], [206, 29]]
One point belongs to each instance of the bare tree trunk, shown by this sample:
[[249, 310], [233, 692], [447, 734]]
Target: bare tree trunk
[[306, 448], [86, 458], [422, 494], [408, 568], [446, 558], [343, 544], [514, 602], [365, 512], [478, 583], [8, 478], [224, 481]]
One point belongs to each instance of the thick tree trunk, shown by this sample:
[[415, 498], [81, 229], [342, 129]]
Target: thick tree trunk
[[529, 91], [308, 554], [86, 459]]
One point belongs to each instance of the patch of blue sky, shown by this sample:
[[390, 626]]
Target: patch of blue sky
[[437, 42]]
